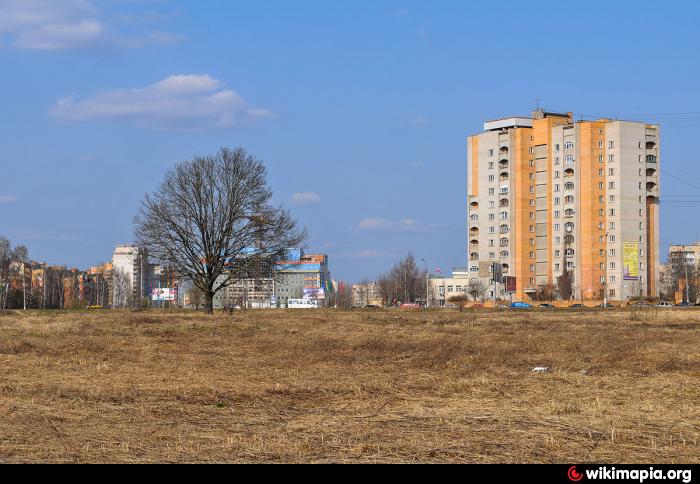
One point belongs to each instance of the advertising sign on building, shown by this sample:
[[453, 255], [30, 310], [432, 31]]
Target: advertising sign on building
[[314, 293], [164, 294], [631, 261]]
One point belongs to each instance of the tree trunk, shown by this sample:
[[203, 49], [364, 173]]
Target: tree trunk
[[209, 303]]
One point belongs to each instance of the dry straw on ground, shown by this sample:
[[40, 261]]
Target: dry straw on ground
[[333, 386]]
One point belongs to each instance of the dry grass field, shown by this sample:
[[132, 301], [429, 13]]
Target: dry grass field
[[334, 386]]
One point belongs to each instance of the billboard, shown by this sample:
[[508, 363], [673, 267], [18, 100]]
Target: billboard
[[314, 293], [164, 294], [510, 283], [631, 261]]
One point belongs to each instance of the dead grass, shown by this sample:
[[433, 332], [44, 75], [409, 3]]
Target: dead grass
[[327, 386]]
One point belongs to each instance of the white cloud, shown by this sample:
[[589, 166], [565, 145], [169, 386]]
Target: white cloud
[[192, 102], [5, 199], [61, 25], [374, 223], [306, 198]]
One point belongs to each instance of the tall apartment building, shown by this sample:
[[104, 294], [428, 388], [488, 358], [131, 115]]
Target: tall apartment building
[[547, 194], [131, 261]]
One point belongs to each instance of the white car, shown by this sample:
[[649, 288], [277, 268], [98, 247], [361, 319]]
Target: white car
[[664, 305]]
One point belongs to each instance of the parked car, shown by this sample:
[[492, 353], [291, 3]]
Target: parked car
[[576, 306], [608, 305], [546, 306], [642, 304], [683, 305], [664, 304], [521, 305]]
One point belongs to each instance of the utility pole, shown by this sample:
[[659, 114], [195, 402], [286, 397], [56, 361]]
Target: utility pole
[[427, 285], [495, 283], [24, 283]]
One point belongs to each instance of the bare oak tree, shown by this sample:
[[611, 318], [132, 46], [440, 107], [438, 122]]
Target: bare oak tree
[[211, 220]]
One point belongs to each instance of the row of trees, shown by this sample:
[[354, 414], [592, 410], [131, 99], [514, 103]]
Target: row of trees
[[404, 283], [11, 261]]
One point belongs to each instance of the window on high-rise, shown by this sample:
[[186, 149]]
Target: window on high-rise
[[611, 144]]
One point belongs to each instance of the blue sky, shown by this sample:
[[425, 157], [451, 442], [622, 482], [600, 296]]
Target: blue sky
[[359, 109]]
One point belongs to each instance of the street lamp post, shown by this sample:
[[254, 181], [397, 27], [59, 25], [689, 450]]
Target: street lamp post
[[427, 284]]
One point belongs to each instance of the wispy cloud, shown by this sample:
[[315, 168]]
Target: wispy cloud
[[63, 25], [306, 198], [193, 102], [402, 13], [377, 224], [415, 121], [7, 199]]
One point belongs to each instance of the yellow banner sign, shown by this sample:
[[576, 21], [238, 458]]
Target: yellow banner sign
[[631, 255]]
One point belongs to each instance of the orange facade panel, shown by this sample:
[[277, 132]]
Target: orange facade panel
[[592, 137], [523, 192]]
